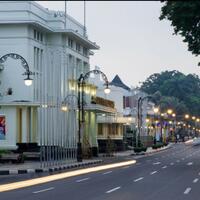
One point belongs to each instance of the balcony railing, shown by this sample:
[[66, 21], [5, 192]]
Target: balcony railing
[[115, 119]]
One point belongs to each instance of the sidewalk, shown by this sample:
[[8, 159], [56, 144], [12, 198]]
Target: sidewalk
[[149, 151], [34, 167]]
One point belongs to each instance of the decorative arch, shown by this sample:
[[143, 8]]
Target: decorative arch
[[16, 57]]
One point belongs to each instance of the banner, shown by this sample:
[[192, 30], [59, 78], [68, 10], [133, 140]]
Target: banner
[[2, 127]]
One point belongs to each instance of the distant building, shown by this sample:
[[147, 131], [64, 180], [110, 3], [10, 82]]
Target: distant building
[[111, 125]]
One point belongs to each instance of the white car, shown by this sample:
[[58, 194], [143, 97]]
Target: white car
[[196, 141]]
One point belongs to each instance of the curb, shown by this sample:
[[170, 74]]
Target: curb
[[149, 153], [53, 169]]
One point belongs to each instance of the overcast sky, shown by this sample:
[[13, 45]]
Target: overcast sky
[[133, 42]]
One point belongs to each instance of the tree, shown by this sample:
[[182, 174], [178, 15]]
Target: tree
[[174, 89], [185, 19]]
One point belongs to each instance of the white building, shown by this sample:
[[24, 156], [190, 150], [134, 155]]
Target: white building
[[121, 126], [57, 55], [111, 125]]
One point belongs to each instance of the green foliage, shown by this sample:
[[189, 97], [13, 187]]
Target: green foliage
[[3, 151], [140, 149], [157, 145], [173, 89], [185, 19]]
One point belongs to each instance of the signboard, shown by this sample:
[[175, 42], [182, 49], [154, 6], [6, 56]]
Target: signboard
[[2, 127]]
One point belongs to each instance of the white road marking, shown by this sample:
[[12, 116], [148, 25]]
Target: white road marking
[[80, 180], [153, 172], [44, 190], [187, 190], [199, 173], [156, 163], [190, 163], [195, 180], [164, 167], [107, 172], [138, 163], [112, 190], [172, 163], [178, 161], [138, 179], [126, 167]]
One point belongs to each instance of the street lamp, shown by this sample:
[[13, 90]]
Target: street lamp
[[107, 90], [169, 111], [81, 102], [67, 100], [28, 81], [187, 116], [155, 109], [193, 117]]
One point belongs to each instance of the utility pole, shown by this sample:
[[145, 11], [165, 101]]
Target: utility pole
[[65, 15]]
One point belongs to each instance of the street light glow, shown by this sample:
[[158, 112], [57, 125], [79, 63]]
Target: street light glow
[[169, 111], [46, 179], [64, 108], [147, 120], [107, 90], [187, 116], [156, 110], [28, 81]]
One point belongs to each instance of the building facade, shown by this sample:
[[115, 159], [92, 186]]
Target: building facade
[[111, 125], [57, 53]]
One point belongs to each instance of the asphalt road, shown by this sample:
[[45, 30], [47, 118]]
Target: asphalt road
[[173, 174]]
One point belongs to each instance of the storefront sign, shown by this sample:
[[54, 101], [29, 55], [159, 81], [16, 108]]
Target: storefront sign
[[102, 101]]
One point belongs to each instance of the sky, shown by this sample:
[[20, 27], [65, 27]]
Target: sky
[[133, 42]]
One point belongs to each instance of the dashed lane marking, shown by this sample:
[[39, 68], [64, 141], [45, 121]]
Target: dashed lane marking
[[107, 172], [195, 180], [164, 167], [172, 163], [126, 167], [187, 190], [153, 172], [190, 163], [156, 163], [112, 190], [138, 179], [138, 163], [44, 190], [81, 180]]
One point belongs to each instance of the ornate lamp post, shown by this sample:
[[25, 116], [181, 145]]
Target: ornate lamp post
[[28, 81], [81, 103]]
